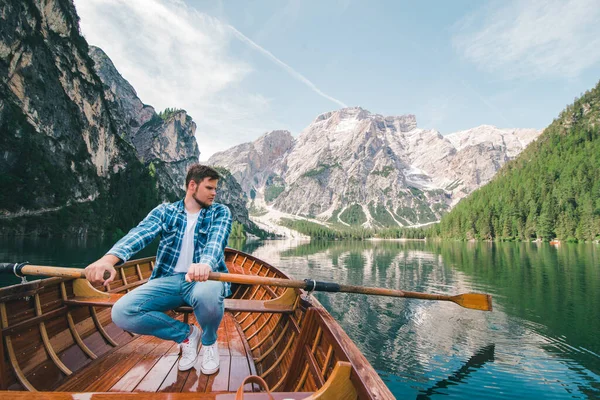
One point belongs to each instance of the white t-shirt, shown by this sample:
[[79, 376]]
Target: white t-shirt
[[186, 255]]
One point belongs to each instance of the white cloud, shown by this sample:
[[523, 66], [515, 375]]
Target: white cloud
[[175, 56], [532, 38]]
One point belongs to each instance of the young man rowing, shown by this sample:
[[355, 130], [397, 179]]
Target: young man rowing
[[194, 233]]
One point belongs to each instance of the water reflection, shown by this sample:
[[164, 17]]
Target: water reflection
[[58, 252], [542, 332], [541, 340], [484, 355]]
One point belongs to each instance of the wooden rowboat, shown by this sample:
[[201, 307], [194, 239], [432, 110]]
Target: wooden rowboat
[[58, 341]]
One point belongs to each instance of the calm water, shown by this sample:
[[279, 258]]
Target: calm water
[[541, 341]]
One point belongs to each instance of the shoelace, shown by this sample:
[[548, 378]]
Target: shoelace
[[209, 355]]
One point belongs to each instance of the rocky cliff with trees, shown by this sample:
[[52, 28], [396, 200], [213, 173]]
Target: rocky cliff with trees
[[80, 152]]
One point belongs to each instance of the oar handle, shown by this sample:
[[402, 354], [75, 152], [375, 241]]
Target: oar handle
[[40, 270]]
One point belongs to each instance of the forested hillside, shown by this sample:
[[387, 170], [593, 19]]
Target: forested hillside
[[551, 190]]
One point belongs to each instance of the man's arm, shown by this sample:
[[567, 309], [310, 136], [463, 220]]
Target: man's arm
[[137, 238], [215, 246]]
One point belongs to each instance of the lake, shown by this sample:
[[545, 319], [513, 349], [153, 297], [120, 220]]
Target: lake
[[541, 341]]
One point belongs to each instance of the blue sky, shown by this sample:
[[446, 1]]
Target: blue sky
[[242, 68]]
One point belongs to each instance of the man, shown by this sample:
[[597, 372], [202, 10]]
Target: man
[[194, 233]]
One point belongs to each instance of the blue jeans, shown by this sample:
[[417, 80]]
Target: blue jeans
[[142, 310]]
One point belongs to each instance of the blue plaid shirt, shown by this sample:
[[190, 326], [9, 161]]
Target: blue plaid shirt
[[169, 221]]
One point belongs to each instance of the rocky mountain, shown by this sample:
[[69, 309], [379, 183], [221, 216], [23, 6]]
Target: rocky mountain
[[129, 111], [166, 142], [81, 153], [254, 164], [230, 193], [464, 161], [352, 167]]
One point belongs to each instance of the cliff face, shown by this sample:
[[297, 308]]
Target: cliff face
[[80, 151], [124, 104], [167, 143], [58, 140], [230, 193], [255, 164]]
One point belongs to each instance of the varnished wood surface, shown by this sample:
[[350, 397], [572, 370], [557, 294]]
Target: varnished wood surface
[[149, 364], [261, 334], [148, 396]]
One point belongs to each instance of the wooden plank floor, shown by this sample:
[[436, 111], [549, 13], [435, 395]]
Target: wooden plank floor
[[149, 364]]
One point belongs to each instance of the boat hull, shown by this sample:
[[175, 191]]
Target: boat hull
[[58, 337]]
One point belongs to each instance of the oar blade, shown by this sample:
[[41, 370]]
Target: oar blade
[[474, 301]]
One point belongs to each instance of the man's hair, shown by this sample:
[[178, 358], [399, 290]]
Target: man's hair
[[198, 172]]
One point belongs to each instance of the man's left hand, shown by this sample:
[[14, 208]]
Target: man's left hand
[[198, 272]]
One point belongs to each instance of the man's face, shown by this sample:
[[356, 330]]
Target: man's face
[[205, 192]]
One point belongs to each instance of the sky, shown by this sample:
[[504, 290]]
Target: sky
[[244, 68]]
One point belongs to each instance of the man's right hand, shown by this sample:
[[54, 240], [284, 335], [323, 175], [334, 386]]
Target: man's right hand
[[95, 271]]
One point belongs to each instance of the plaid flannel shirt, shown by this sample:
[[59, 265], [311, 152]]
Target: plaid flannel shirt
[[169, 221]]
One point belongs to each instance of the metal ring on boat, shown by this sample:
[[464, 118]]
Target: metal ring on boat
[[17, 269], [312, 289]]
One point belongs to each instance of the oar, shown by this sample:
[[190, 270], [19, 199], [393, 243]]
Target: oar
[[475, 301]]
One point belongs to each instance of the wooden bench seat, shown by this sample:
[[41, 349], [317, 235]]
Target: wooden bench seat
[[86, 295], [234, 305]]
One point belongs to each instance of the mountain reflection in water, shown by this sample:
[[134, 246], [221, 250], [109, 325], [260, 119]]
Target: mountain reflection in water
[[539, 342]]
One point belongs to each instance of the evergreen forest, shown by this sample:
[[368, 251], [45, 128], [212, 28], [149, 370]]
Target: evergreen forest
[[551, 190]]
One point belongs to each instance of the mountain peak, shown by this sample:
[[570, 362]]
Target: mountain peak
[[276, 134], [356, 114]]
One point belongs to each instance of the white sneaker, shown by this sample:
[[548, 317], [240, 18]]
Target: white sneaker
[[210, 359], [189, 349]]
